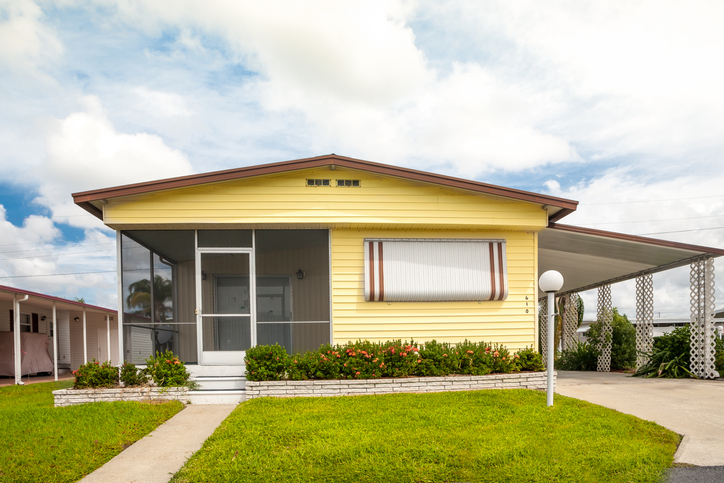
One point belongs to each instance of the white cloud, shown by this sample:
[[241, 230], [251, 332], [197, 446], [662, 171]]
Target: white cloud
[[32, 255], [638, 77], [26, 43], [84, 151]]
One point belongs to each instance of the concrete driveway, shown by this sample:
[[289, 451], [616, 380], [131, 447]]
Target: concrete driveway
[[690, 407]]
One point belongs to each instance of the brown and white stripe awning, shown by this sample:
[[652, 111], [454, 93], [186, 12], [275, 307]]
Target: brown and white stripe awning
[[440, 270]]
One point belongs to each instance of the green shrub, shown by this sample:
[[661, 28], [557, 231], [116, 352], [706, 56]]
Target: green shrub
[[94, 374], [582, 357], [399, 359], [530, 360], [670, 356], [266, 363], [371, 360], [166, 370], [623, 343], [434, 359], [131, 376], [719, 358], [361, 360]]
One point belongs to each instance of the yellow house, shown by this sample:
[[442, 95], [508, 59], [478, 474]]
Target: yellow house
[[321, 250]]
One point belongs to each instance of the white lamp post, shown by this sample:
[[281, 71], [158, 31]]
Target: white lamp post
[[550, 282]]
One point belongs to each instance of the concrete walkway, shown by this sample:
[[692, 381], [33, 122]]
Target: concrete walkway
[[155, 458], [692, 408]]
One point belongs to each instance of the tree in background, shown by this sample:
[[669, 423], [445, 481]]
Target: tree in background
[[623, 341]]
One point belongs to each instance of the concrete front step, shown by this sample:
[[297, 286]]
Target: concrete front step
[[214, 383], [217, 397], [216, 371]]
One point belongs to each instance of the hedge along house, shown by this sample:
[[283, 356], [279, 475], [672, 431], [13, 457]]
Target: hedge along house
[[321, 250]]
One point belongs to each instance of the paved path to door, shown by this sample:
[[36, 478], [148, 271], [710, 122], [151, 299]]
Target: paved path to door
[[692, 408], [156, 457]]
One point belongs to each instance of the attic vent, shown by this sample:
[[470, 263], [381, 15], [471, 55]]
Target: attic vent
[[318, 182], [348, 182]]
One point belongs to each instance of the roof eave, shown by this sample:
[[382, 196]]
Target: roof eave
[[85, 198]]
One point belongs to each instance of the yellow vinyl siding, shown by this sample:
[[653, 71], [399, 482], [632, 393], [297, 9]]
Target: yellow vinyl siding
[[285, 199], [505, 322]]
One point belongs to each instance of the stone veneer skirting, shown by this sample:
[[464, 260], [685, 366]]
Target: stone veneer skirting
[[71, 397], [350, 387]]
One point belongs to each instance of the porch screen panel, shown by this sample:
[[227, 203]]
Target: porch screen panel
[[411, 270]]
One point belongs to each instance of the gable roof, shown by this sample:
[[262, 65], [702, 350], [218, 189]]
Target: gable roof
[[90, 201]]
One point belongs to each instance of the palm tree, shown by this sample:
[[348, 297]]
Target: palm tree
[[139, 297]]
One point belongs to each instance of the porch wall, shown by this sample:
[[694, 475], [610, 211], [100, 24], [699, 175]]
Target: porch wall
[[505, 322]]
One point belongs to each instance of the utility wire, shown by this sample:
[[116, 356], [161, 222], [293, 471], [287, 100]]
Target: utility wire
[[58, 274], [55, 248], [54, 255], [650, 201], [655, 221], [683, 231]]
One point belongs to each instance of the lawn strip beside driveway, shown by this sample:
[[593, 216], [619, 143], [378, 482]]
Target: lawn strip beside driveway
[[690, 407]]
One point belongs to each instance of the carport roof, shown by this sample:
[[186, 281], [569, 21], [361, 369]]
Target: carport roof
[[589, 258], [42, 300]]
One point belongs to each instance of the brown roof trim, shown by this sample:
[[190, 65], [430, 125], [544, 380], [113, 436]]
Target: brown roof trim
[[557, 216], [84, 199], [639, 239], [19, 291]]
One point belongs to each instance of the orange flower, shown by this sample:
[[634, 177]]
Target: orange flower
[[470, 352], [444, 355], [419, 360], [404, 354], [376, 359], [496, 354]]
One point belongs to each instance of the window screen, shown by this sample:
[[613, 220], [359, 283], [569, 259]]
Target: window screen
[[415, 270]]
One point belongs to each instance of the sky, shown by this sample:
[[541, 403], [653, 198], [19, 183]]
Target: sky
[[617, 105]]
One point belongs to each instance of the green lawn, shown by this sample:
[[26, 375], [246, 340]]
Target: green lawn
[[496, 436], [41, 443]]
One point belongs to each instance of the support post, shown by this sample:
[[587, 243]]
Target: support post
[[702, 330], [108, 335], [55, 341], [644, 318], [85, 339], [119, 290], [605, 317]]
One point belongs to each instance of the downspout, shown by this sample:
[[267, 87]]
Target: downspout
[[18, 356]]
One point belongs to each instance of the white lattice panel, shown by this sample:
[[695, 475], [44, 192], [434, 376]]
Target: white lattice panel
[[702, 329], [570, 321], [605, 317], [644, 318]]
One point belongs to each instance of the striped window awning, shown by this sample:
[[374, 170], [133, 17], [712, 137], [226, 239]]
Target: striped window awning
[[422, 270]]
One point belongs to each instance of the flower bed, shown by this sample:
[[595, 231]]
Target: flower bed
[[71, 397], [375, 360], [164, 378], [347, 387]]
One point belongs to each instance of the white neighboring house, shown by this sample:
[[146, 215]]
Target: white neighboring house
[[42, 333], [661, 325]]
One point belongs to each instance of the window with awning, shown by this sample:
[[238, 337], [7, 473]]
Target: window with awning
[[435, 270]]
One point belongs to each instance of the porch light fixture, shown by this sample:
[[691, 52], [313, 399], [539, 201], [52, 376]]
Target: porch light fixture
[[300, 274], [77, 319], [43, 318], [550, 282]]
